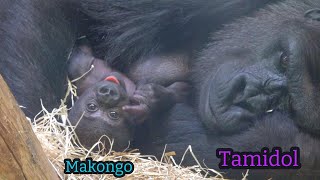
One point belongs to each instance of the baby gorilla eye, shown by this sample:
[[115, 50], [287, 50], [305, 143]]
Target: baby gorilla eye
[[284, 60], [113, 115], [91, 107]]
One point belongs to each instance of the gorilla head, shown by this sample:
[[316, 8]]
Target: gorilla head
[[99, 112], [263, 63], [103, 91]]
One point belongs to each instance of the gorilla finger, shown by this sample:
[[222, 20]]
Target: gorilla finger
[[138, 99], [180, 86], [139, 112]]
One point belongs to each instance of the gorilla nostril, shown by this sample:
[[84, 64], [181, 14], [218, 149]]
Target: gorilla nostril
[[108, 95], [241, 86], [275, 85], [238, 88], [112, 92], [105, 90]]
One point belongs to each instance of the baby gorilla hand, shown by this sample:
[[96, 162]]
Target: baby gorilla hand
[[180, 91], [151, 99]]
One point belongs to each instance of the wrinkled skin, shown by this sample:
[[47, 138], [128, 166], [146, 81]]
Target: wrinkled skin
[[36, 41], [266, 62], [146, 44], [253, 70]]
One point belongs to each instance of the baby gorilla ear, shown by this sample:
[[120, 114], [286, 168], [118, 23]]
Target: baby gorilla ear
[[313, 14], [80, 61]]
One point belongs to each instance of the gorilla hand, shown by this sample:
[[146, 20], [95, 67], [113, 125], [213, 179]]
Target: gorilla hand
[[150, 99]]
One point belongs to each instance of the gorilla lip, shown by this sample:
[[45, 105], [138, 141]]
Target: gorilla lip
[[112, 79]]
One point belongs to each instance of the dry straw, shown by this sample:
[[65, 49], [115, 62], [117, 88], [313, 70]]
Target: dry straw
[[60, 142]]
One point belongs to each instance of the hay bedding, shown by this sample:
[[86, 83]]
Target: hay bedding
[[59, 142]]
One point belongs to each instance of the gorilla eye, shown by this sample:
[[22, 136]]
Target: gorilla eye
[[113, 115], [91, 107], [284, 60]]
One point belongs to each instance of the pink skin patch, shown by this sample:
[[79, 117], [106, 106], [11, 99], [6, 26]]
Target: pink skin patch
[[112, 79]]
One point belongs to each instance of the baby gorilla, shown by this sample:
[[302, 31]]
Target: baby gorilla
[[112, 104]]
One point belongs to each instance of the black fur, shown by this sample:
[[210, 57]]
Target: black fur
[[183, 128], [126, 30], [36, 38], [267, 61]]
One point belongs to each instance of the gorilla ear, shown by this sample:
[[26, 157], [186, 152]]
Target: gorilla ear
[[313, 14]]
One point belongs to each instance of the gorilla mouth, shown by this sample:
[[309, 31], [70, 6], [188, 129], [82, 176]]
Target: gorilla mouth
[[112, 79], [246, 106], [267, 105]]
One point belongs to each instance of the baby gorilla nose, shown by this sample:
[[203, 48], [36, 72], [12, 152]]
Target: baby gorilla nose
[[106, 91], [108, 94]]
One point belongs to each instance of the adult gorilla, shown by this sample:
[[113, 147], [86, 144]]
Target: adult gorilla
[[37, 36], [263, 63], [260, 63], [266, 62]]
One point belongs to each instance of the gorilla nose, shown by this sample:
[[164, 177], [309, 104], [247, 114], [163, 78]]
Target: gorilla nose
[[242, 87], [108, 94], [275, 85], [256, 94], [106, 91]]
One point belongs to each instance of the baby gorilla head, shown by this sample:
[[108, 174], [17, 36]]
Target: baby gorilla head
[[99, 109], [103, 93], [92, 70], [149, 99]]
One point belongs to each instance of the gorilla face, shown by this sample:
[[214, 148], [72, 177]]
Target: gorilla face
[[243, 92], [266, 67], [98, 112]]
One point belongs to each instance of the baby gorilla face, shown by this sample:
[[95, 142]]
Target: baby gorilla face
[[98, 112]]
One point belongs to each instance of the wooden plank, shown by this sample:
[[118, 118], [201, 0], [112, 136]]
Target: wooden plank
[[21, 154]]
